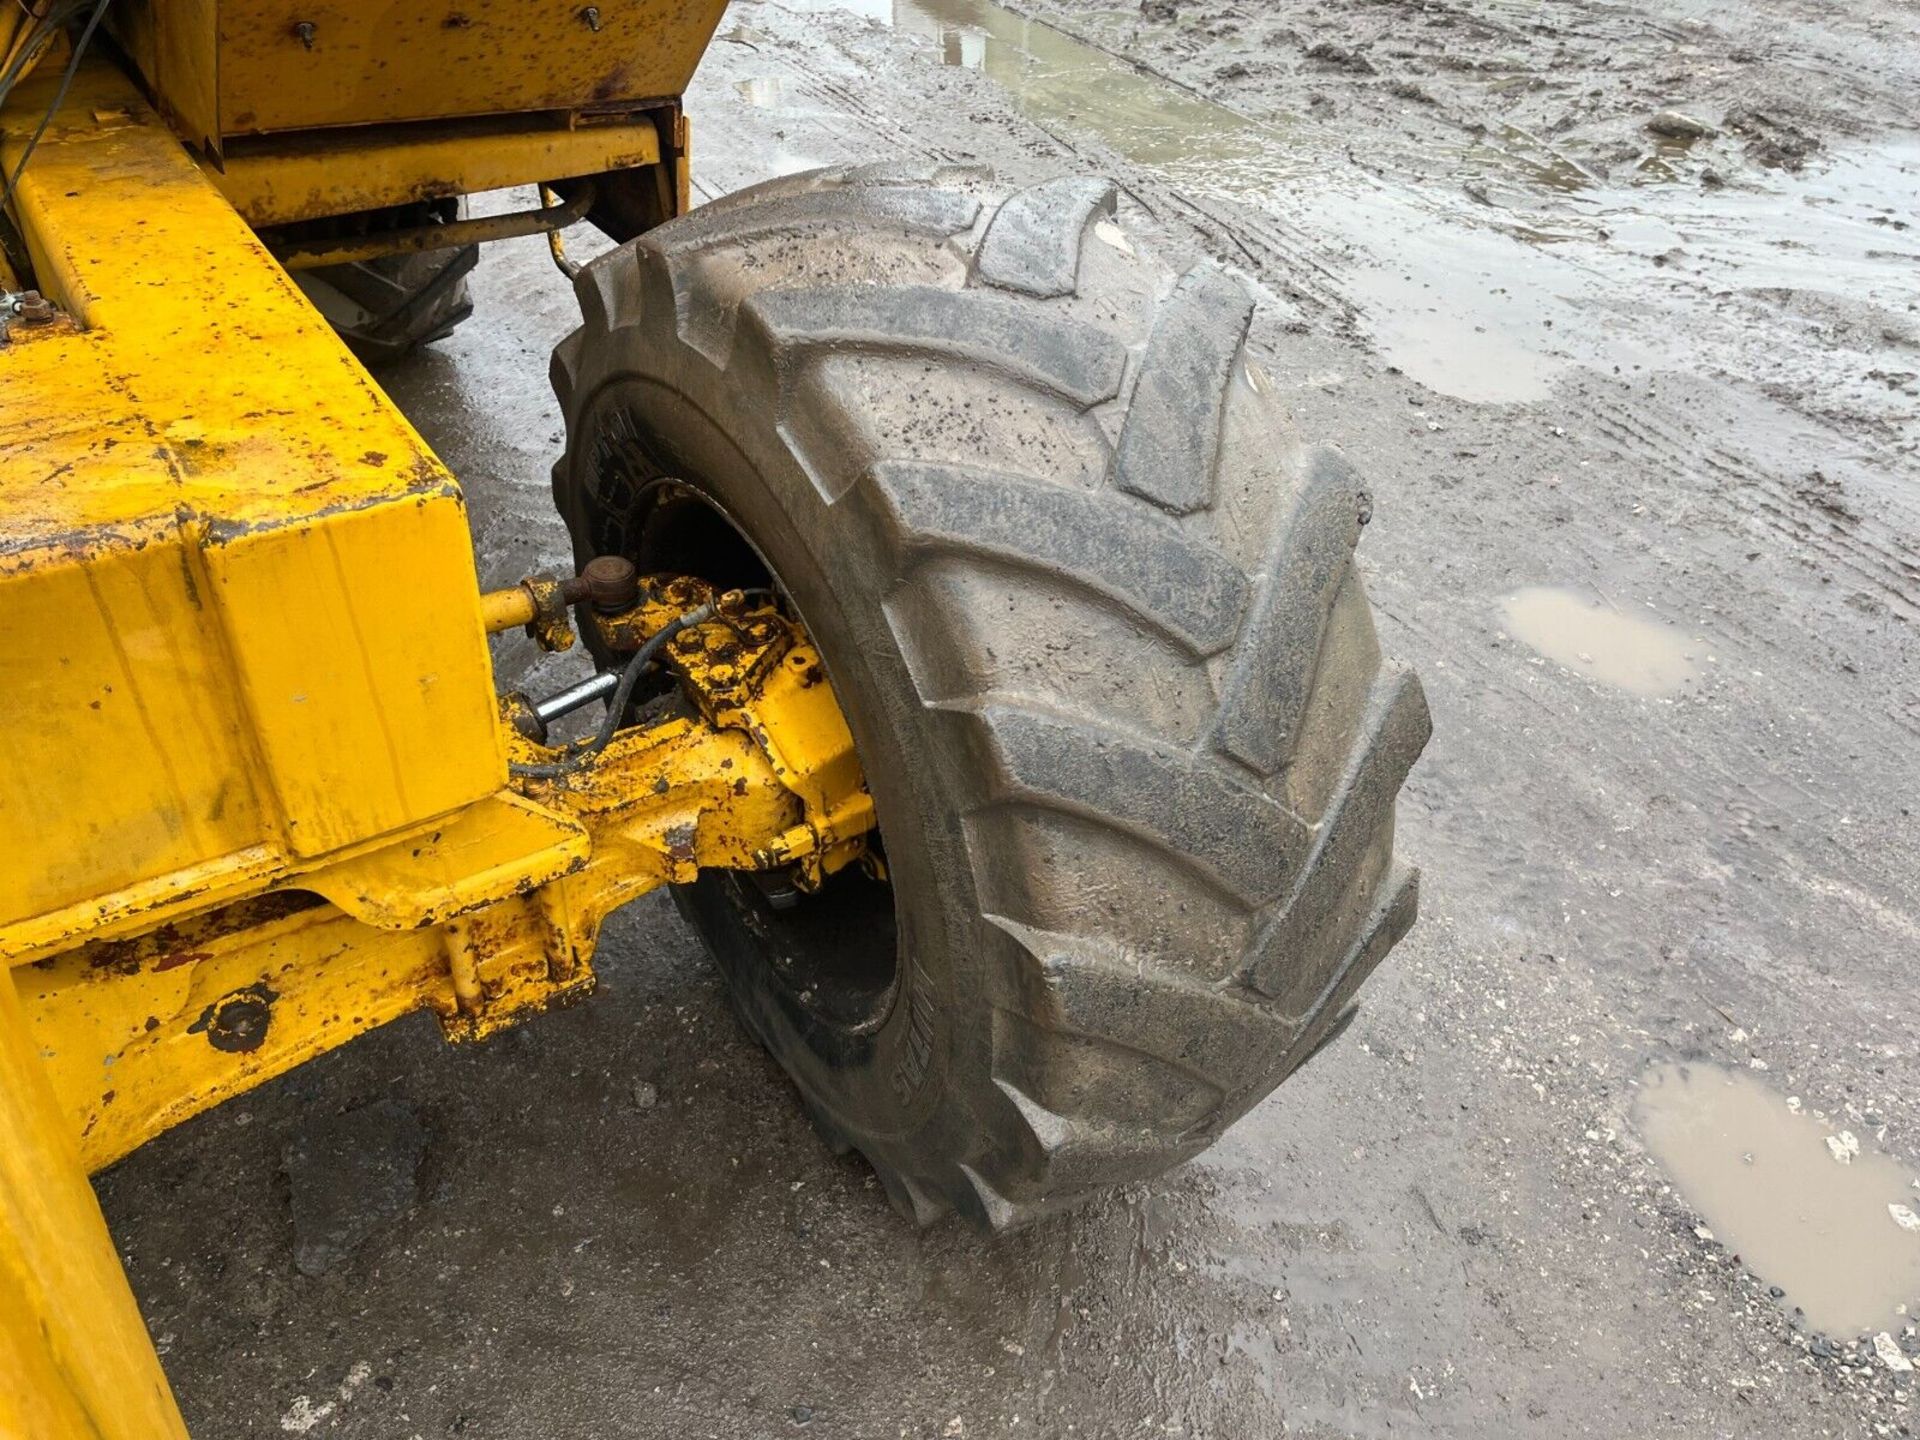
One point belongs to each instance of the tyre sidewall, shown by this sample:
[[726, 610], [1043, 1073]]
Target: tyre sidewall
[[913, 1087]]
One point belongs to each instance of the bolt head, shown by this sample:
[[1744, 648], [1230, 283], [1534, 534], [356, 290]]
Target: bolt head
[[33, 308]]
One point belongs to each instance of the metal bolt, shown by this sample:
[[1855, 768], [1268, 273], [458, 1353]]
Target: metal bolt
[[592, 16], [33, 308], [303, 31]]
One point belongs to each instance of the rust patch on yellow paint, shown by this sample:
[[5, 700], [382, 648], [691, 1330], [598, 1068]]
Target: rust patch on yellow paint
[[238, 1022]]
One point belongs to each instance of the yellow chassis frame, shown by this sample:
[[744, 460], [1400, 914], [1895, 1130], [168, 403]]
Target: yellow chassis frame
[[255, 794]]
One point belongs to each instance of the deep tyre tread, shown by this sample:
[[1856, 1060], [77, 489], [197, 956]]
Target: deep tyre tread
[[1171, 439], [1033, 244], [1185, 589], [1092, 613]]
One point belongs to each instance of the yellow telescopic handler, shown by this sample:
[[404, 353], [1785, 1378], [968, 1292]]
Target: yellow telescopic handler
[[964, 632]]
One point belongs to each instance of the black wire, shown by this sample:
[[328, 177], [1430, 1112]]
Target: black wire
[[39, 29], [59, 98], [32, 40], [39, 38], [617, 707], [42, 29]]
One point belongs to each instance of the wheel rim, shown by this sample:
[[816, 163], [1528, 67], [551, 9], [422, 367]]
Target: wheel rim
[[835, 952]]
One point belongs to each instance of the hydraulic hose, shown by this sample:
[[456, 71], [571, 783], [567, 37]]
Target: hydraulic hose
[[585, 753]]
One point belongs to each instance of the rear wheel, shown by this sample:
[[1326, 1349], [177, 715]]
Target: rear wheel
[[1091, 613], [390, 306]]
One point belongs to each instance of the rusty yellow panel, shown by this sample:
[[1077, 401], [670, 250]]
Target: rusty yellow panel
[[366, 62], [204, 378], [75, 1360], [130, 909], [304, 177], [482, 916], [137, 1035], [173, 42], [796, 717], [131, 756], [497, 847], [207, 504], [663, 803]]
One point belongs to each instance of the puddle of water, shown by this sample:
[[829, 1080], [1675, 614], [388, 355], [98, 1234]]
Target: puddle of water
[[1473, 297], [1436, 307], [1595, 639], [1452, 308], [1066, 84], [1768, 1185]]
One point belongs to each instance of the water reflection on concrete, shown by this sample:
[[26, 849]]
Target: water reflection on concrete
[[1806, 1205], [1599, 640]]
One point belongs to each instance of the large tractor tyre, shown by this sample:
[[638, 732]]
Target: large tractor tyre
[[390, 306], [1091, 612]]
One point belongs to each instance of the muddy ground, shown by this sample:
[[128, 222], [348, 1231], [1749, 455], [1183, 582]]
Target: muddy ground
[[1675, 378]]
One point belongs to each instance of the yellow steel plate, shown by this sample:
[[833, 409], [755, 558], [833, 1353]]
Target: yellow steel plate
[[373, 61], [75, 1361], [304, 177], [237, 593], [241, 67]]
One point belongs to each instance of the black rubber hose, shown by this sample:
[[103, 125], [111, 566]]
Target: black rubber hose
[[617, 706], [59, 99]]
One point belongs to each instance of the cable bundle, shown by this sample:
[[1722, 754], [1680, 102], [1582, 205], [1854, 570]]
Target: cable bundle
[[25, 34]]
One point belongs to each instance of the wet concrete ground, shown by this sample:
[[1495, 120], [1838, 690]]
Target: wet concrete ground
[[1659, 565]]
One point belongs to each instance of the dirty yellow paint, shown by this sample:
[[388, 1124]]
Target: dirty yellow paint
[[483, 915], [797, 719], [75, 1360], [760, 674], [242, 67], [259, 801], [237, 592], [338, 172], [238, 597], [139, 1033]]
